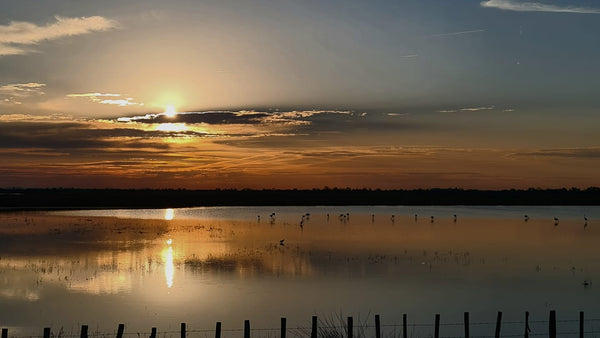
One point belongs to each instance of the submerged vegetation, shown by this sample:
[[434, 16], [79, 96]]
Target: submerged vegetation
[[244, 259]]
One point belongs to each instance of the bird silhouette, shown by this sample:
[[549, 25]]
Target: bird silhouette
[[556, 220], [281, 242], [526, 217]]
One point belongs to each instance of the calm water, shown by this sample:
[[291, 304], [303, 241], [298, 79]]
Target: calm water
[[158, 268]]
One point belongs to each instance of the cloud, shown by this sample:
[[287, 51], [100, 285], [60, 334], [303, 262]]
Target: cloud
[[33, 118], [238, 117], [93, 96], [16, 92], [107, 99], [470, 109], [583, 153], [460, 33], [511, 5], [477, 108], [18, 34]]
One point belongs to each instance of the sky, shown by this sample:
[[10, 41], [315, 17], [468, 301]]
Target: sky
[[204, 94]]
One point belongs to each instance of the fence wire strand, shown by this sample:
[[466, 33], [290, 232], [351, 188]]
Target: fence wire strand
[[305, 331]]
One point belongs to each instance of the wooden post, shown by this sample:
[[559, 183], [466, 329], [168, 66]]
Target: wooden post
[[120, 330], [4, 333], [581, 324], [218, 330], [313, 331], [283, 327], [377, 327], [183, 330], [466, 320], [437, 325], [84, 331], [552, 325], [46, 332], [498, 324], [527, 324], [350, 327], [153, 333], [246, 328], [404, 326]]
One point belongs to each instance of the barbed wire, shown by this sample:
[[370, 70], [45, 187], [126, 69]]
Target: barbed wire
[[307, 329]]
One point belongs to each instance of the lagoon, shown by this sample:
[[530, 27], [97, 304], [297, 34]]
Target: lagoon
[[160, 267]]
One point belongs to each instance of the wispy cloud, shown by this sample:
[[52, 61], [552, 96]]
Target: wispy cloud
[[511, 5], [18, 35], [108, 98], [16, 92], [584, 153], [470, 109], [460, 33], [477, 108]]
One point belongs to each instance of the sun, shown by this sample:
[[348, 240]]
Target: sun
[[170, 111]]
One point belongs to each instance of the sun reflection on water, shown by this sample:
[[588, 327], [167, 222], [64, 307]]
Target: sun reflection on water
[[169, 266], [169, 214]]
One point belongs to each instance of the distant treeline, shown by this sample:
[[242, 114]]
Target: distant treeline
[[154, 198]]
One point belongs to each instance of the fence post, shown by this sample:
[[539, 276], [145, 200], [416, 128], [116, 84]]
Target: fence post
[[404, 330], [46, 332], [552, 325], [153, 333], [313, 331], [350, 327], [283, 327], [120, 330], [580, 324], [466, 325], [246, 328], [183, 330], [218, 330], [377, 327], [4, 333], [84, 331], [527, 324], [498, 323], [437, 325]]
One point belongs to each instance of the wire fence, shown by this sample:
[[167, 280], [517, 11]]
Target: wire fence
[[346, 328]]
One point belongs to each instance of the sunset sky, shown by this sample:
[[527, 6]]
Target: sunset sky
[[300, 94]]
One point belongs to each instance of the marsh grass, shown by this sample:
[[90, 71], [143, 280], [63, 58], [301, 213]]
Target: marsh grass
[[247, 259], [336, 326]]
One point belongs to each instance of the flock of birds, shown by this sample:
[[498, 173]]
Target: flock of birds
[[346, 217], [557, 220]]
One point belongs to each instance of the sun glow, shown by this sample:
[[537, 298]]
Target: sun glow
[[171, 127], [170, 111]]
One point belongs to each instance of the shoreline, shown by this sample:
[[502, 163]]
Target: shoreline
[[76, 199]]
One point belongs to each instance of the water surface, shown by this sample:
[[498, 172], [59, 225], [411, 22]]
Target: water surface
[[158, 268]]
